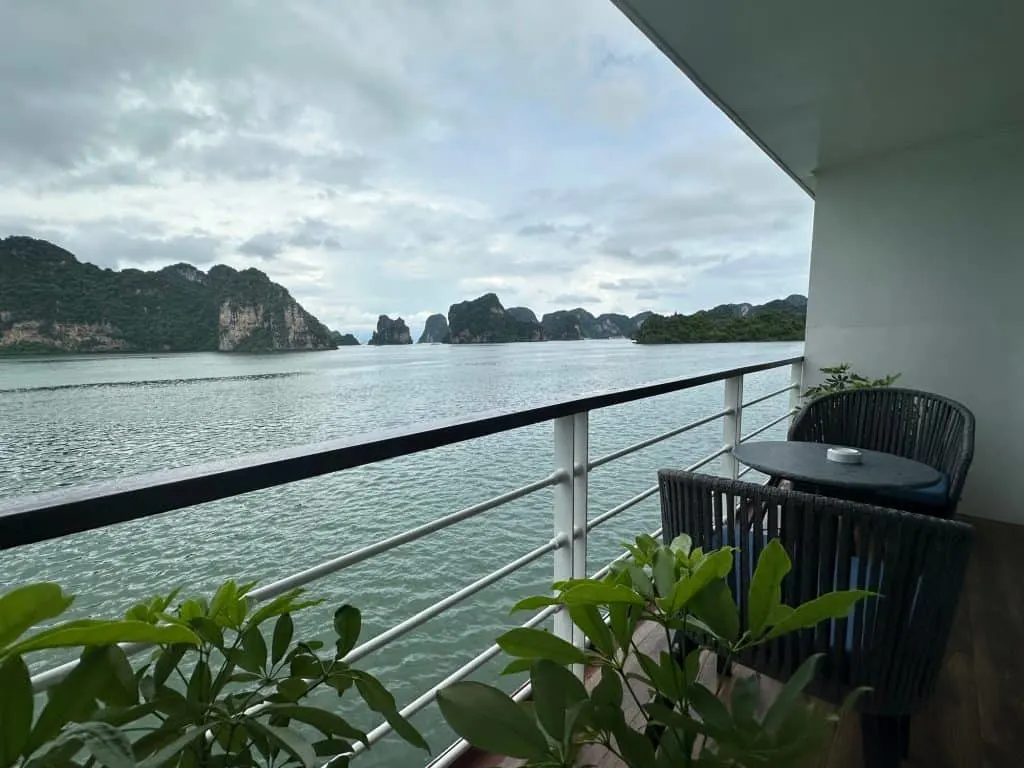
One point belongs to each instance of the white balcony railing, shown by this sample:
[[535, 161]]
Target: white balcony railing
[[47, 516]]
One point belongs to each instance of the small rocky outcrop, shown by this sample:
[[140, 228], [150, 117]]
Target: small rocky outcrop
[[436, 331], [344, 339], [485, 321], [390, 332]]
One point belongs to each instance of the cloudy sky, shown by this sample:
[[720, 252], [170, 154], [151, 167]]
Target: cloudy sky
[[387, 156]]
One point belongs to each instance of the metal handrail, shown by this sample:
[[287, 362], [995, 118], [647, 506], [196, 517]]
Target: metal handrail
[[770, 395], [656, 439], [767, 426]]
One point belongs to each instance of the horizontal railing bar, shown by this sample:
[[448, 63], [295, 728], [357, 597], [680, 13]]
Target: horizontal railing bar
[[332, 566], [48, 515], [767, 426], [647, 493], [455, 598], [742, 472], [621, 507], [656, 439], [427, 697], [770, 395]]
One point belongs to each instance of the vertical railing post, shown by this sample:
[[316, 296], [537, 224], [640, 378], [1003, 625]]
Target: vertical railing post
[[580, 459], [796, 380], [732, 423], [565, 454]]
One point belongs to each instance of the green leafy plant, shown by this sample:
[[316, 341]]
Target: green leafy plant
[[227, 685], [683, 721], [103, 676], [840, 377]]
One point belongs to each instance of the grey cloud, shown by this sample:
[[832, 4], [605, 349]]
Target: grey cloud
[[576, 299], [537, 229], [265, 246]]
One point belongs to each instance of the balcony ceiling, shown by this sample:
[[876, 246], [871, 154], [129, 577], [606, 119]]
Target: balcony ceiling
[[819, 83]]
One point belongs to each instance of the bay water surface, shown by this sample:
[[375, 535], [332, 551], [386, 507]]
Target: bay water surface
[[72, 421]]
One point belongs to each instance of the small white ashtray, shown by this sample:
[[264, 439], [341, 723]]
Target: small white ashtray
[[844, 455]]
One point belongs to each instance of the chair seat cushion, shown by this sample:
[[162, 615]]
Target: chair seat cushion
[[936, 494]]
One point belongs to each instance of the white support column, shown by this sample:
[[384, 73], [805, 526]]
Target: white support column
[[564, 512], [796, 380], [732, 423], [581, 449]]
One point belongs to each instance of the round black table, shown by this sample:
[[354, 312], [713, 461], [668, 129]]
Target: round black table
[[806, 463]]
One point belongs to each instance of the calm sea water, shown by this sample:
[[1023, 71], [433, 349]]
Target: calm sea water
[[78, 420]]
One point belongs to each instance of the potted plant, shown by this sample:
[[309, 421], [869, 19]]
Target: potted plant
[[683, 722]]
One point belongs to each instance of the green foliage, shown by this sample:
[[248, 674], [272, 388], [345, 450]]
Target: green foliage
[[840, 378], [175, 309], [684, 722], [781, 320], [226, 685]]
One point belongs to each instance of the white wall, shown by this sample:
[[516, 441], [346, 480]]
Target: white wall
[[917, 266]]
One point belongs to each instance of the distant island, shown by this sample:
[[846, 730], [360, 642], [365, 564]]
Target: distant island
[[390, 332], [52, 302], [485, 320], [779, 320]]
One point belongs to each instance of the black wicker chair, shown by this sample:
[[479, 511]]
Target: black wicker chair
[[917, 425], [894, 643]]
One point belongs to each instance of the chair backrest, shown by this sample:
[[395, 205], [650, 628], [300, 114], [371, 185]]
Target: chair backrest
[[893, 643], [917, 425]]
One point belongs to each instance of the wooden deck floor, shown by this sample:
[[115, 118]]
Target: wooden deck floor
[[976, 717]]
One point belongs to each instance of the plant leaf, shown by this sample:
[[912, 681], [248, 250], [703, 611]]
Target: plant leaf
[[255, 648], [491, 721], [90, 632], [535, 602], [24, 607], [381, 701], [713, 566], [531, 643], [555, 691], [588, 618], [165, 753], [664, 572], [348, 623], [833, 605], [790, 694], [326, 722], [765, 593], [104, 742], [16, 707], [599, 593], [746, 693], [284, 629], [714, 605]]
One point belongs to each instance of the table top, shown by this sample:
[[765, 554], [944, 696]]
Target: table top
[[806, 462]]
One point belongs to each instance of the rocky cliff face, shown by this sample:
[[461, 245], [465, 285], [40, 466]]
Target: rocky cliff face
[[436, 331], [51, 302], [485, 321], [390, 332], [563, 325]]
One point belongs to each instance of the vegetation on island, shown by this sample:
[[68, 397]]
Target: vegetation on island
[[51, 302], [485, 321], [780, 320]]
